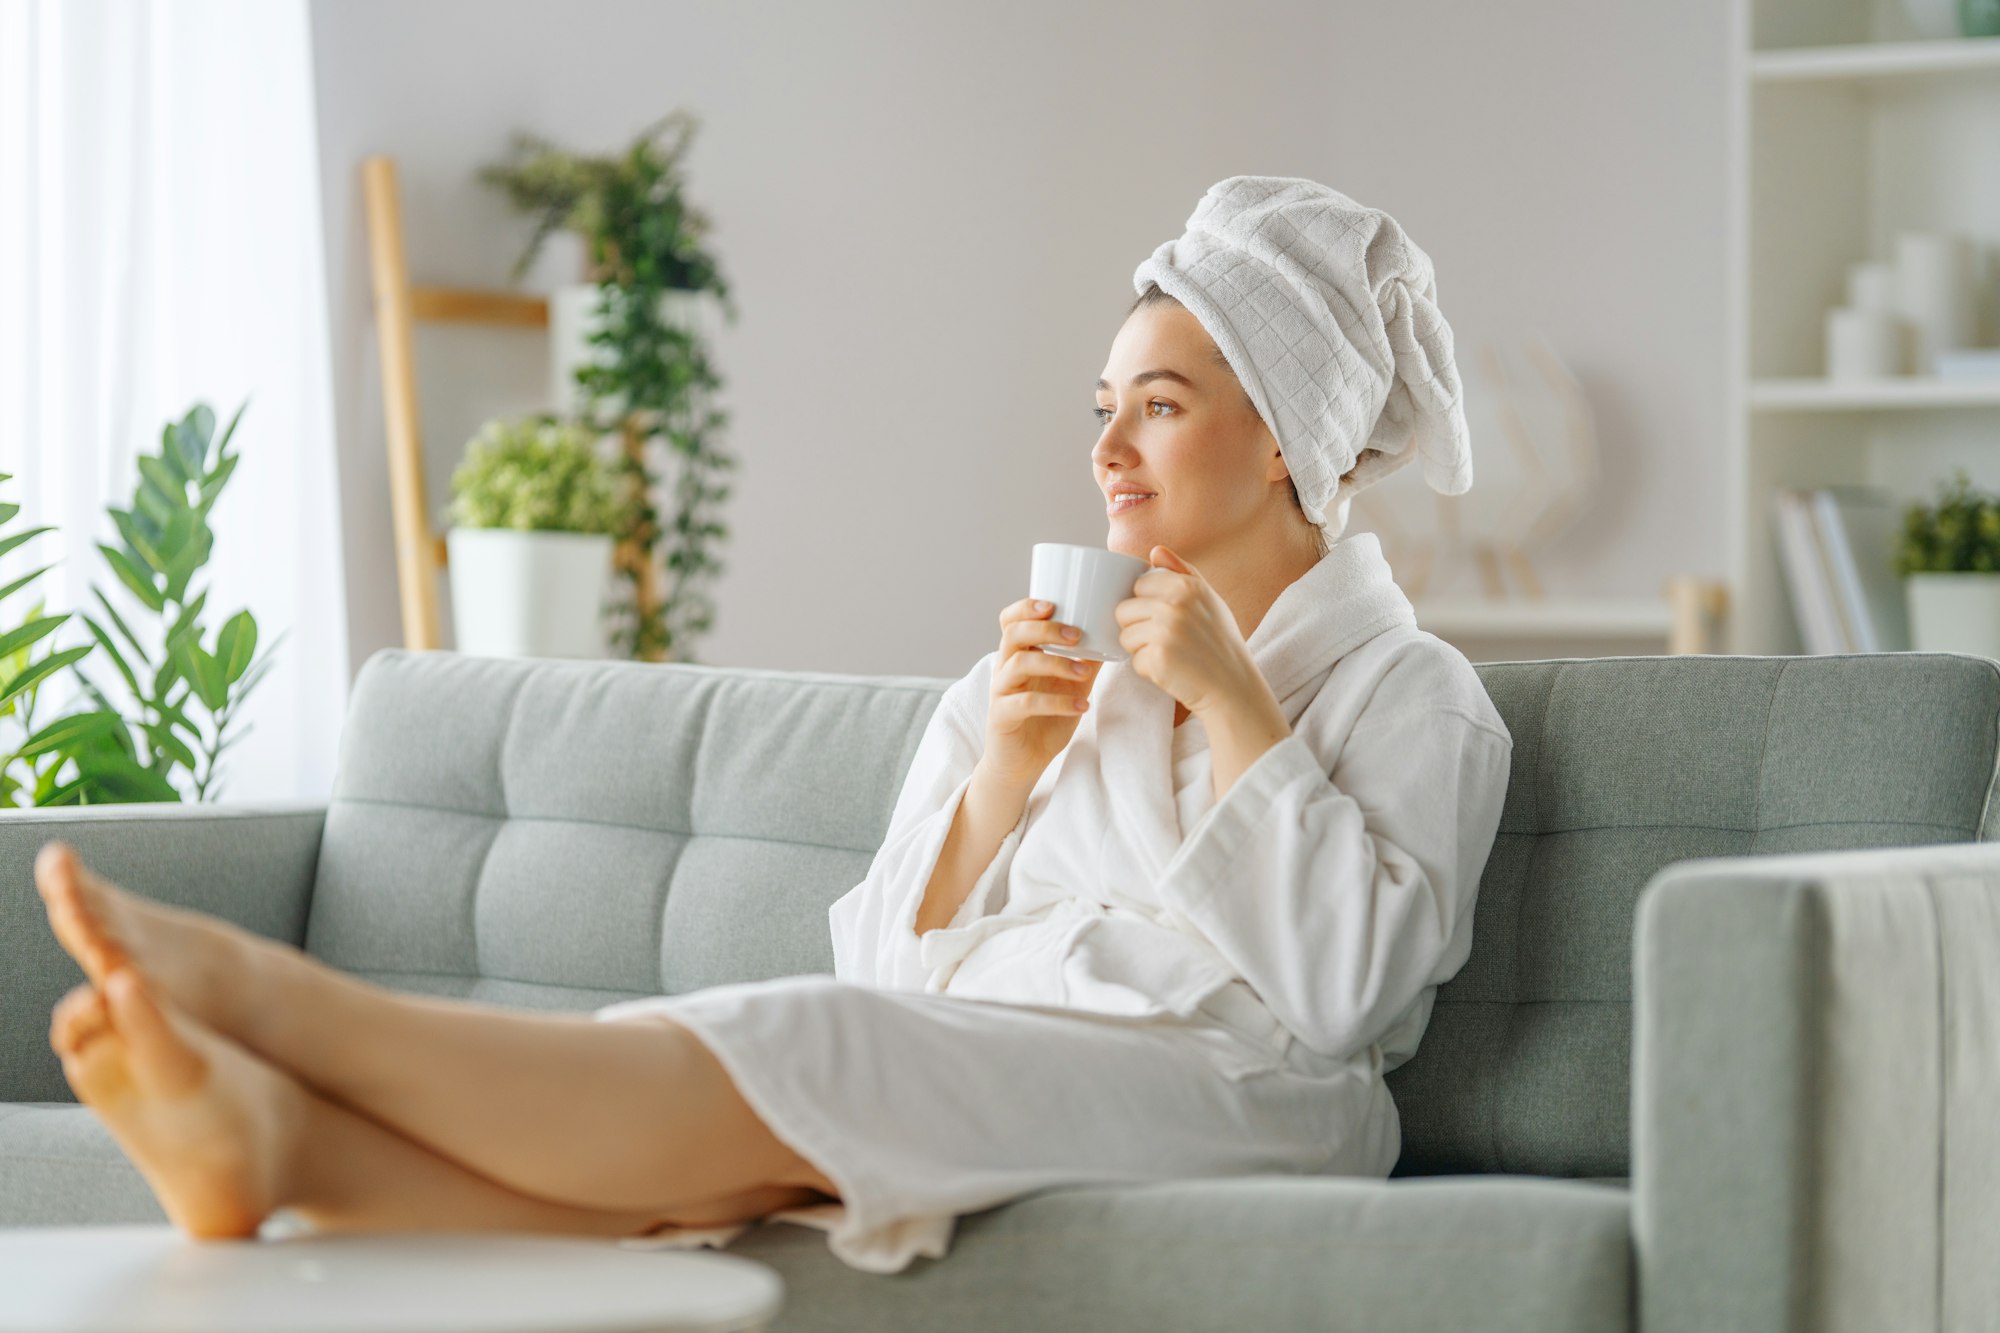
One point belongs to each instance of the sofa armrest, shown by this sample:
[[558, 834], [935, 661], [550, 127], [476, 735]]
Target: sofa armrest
[[1816, 1073], [252, 865]]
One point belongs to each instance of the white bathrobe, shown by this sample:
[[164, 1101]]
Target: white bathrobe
[[1291, 936]]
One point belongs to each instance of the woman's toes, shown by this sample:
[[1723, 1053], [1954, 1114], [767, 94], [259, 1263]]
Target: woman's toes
[[164, 1061], [211, 1128], [79, 1016], [193, 960], [78, 926], [96, 1070]]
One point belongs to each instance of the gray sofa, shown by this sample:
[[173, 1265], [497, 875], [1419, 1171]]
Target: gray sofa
[[1724, 1056]]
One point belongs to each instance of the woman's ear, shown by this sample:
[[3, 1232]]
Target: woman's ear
[[1275, 469]]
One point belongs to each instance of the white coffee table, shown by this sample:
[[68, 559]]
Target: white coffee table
[[155, 1279]]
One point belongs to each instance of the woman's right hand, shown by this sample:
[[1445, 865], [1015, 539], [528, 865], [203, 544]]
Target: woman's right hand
[[1033, 711]]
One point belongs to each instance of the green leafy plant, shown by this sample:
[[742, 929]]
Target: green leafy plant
[[1959, 534], [33, 768], [164, 542], [536, 473], [651, 386]]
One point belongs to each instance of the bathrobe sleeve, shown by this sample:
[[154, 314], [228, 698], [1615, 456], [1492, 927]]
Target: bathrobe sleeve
[[873, 924], [1342, 892]]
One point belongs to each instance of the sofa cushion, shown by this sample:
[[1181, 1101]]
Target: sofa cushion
[[1621, 767], [609, 826], [1496, 1253], [59, 1166]]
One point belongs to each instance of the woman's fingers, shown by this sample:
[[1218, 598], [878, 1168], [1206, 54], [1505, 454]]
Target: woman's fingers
[[1031, 633], [1043, 683], [1024, 669], [1040, 703]]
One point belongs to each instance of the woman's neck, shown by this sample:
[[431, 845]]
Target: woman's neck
[[1252, 583]]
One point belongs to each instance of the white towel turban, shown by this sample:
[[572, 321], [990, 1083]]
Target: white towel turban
[[1328, 315]]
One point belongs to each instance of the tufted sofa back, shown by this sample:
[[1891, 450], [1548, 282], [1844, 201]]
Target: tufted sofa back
[[558, 835], [1621, 766]]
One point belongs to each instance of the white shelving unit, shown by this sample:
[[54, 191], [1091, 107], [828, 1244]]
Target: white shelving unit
[[1845, 128], [1856, 61]]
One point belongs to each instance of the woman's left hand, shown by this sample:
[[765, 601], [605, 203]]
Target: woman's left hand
[[1183, 637]]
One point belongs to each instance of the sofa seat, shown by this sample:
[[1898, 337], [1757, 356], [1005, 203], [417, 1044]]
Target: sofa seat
[[1489, 1252], [63, 1168], [1495, 1253]]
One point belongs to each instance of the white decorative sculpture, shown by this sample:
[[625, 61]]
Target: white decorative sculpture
[[1534, 443]]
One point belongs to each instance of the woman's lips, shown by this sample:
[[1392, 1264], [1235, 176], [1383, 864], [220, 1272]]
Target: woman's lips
[[1119, 504]]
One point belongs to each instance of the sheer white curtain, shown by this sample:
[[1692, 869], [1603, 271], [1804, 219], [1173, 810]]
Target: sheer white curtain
[[160, 243]]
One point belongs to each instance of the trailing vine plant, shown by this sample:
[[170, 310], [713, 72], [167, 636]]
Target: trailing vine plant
[[652, 381]]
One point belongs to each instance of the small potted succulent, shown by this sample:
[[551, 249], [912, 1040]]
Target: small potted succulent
[[532, 513], [1949, 556]]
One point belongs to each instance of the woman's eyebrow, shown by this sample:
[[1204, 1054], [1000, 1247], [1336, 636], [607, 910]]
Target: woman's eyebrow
[[1147, 376]]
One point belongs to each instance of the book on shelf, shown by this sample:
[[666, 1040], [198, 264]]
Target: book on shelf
[[1837, 546]]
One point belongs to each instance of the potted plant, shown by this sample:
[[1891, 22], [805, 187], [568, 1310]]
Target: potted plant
[[92, 756], [532, 514], [629, 356], [31, 771], [1949, 555]]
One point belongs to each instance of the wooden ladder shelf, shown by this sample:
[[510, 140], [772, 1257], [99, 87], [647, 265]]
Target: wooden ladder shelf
[[420, 551]]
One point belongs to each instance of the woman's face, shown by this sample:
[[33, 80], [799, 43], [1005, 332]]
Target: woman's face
[[1177, 423]]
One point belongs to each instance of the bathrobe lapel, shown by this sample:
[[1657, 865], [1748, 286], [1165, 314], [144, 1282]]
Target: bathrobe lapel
[[1346, 599]]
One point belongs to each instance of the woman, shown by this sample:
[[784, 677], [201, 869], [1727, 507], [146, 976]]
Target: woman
[[1175, 922]]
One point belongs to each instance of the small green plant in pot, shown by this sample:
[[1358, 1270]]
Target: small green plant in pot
[[533, 514], [1949, 557]]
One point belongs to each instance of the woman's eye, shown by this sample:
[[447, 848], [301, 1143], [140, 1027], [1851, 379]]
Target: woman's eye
[[1102, 412]]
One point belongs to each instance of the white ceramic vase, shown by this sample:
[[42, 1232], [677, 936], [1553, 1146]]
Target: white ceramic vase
[[1933, 18], [1955, 613], [1934, 294], [528, 594], [1862, 344], [573, 319]]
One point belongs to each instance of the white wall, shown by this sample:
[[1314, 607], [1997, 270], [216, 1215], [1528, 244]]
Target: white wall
[[930, 215]]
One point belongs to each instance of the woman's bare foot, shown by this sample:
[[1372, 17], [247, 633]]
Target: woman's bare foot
[[212, 1128], [199, 962]]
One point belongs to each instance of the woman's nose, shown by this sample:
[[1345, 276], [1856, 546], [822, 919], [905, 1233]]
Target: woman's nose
[[1112, 444], [1106, 454]]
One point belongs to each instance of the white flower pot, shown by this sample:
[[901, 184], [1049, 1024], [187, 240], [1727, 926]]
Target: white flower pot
[[573, 319], [528, 594], [1933, 18], [1955, 613]]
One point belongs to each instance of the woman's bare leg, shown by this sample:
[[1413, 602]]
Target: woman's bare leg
[[621, 1116], [225, 1139]]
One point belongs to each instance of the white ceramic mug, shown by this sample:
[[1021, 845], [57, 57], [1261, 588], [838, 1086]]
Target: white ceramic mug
[[1085, 585]]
